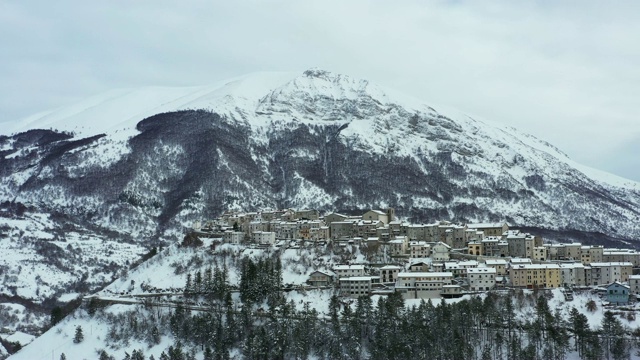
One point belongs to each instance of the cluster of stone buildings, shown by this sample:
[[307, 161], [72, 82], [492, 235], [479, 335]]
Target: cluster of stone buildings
[[431, 260]]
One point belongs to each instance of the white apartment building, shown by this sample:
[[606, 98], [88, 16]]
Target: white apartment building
[[263, 237], [416, 285], [481, 279], [344, 271]]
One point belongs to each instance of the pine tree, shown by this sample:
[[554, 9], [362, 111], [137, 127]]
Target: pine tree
[[104, 355], [79, 336], [188, 287], [63, 356], [137, 355], [208, 354]]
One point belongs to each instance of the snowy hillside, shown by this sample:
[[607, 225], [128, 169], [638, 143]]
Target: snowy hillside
[[146, 299], [100, 183]]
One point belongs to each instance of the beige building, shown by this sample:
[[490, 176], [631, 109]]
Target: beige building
[[329, 218], [490, 229], [499, 264], [475, 248], [634, 284], [419, 249], [621, 255], [590, 254], [368, 228], [306, 214], [481, 279], [398, 246], [540, 253], [535, 275], [377, 215], [454, 235], [389, 273], [319, 234]]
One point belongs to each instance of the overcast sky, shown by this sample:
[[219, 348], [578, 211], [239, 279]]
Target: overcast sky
[[567, 72]]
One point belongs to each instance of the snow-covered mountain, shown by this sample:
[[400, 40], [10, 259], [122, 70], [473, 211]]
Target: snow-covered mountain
[[128, 169], [139, 160]]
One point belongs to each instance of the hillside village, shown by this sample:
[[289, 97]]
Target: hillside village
[[298, 284], [441, 259]]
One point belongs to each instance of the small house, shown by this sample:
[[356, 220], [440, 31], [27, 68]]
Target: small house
[[617, 293], [320, 278]]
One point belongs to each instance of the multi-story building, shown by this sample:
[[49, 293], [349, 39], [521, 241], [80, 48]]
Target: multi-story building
[[367, 228], [398, 246], [389, 273], [263, 237], [520, 244], [621, 255], [329, 218], [415, 285], [306, 214], [379, 215], [307, 227], [634, 284], [319, 234], [343, 271], [233, 237], [589, 254], [440, 251], [499, 264], [494, 246], [475, 248], [355, 286], [320, 278], [540, 253], [259, 226], [535, 275], [342, 229], [419, 249], [481, 279], [459, 268], [607, 272], [419, 266], [572, 274], [454, 235]]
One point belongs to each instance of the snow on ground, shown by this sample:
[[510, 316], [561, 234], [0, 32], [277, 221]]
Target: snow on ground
[[59, 340], [19, 337], [317, 299]]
